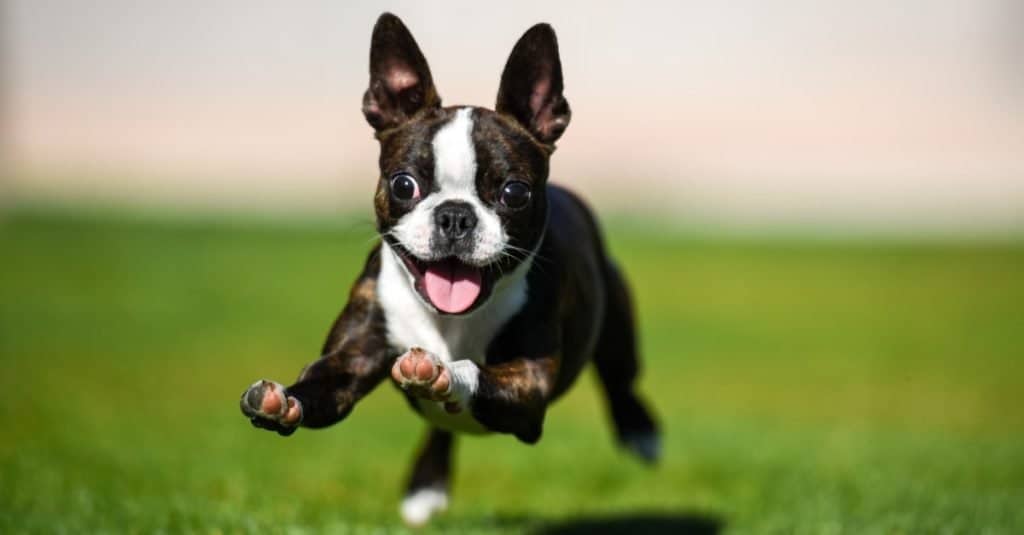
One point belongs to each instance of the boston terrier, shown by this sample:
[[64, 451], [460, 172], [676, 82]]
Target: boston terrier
[[490, 288]]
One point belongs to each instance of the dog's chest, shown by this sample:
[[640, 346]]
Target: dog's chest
[[410, 326]]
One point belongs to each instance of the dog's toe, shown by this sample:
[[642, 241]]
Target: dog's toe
[[293, 413], [273, 401], [426, 369]]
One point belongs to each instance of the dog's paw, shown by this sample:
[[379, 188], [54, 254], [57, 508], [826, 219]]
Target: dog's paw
[[424, 375], [268, 406], [421, 504], [645, 445]]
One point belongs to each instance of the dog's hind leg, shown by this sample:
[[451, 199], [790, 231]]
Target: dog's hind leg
[[618, 366], [429, 483]]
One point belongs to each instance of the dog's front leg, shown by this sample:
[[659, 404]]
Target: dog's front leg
[[355, 360], [510, 397], [325, 393]]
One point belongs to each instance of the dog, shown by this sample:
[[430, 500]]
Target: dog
[[490, 288]]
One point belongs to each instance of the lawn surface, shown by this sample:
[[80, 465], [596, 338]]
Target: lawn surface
[[805, 386]]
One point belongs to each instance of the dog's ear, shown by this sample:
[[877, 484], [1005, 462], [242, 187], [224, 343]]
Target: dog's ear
[[400, 82], [531, 86]]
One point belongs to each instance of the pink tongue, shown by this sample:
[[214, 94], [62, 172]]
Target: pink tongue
[[452, 286]]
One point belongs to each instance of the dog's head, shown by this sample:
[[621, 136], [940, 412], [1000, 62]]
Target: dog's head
[[461, 197]]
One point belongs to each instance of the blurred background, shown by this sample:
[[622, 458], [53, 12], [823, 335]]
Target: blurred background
[[849, 115], [819, 206]]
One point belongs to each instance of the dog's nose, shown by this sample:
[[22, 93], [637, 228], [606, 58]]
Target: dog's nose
[[454, 219]]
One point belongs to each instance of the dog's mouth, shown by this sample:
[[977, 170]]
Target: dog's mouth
[[450, 285]]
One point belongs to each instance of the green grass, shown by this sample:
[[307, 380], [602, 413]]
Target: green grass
[[805, 387]]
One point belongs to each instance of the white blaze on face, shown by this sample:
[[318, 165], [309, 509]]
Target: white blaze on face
[[455, 178], [455, 156]]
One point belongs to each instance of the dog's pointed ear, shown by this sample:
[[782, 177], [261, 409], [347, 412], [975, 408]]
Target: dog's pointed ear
[[531, 86], [400, 82]]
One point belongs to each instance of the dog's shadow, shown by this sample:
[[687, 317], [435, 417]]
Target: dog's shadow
[[629, 523]]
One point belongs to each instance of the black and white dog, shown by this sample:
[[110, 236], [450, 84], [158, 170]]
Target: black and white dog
[[490, 289]]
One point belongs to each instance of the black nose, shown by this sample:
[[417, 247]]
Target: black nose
[[454, 219]]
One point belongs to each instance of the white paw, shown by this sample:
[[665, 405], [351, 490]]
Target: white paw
[[418, 507]]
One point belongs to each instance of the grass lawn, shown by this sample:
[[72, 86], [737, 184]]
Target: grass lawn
[[805, 386]]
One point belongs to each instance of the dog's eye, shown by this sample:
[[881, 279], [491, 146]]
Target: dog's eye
[[515, 194], [404, 187]]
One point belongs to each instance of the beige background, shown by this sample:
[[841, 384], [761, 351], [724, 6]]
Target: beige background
[[883, 116]]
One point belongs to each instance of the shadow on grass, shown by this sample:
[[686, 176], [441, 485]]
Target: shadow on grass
[[635, 524], [629, 523]]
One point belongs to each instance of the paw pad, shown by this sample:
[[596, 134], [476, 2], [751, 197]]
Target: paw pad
[[268, 406], [423, 375]]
